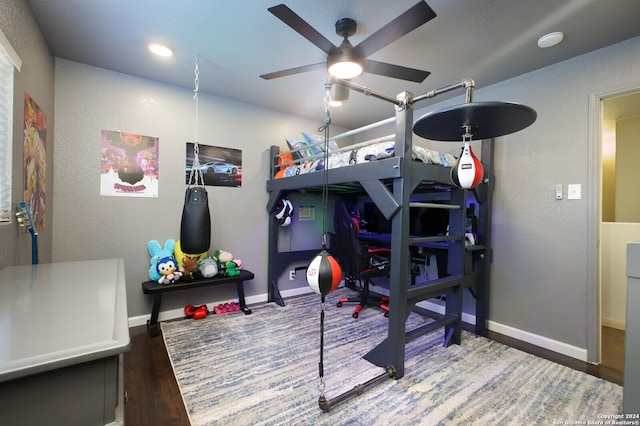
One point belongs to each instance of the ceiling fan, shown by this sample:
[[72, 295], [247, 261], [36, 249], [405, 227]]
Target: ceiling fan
[[353, 59]]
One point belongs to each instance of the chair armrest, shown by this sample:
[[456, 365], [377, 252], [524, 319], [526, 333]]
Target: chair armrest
[[379, 250]]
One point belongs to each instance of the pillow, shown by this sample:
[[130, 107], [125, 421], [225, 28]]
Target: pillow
[[283, 158], [319, 140], [303, 153]]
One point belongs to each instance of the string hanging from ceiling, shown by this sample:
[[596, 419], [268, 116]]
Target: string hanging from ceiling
[[195, 228]]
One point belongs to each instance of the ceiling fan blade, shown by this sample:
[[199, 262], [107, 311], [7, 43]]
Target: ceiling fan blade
[[395, 71], [292, 71], [290, 18], [402, 25]]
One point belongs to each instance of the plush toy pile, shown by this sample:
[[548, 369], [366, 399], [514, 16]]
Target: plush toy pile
[[170, 264]]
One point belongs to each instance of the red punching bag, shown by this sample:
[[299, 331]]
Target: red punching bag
[[468, 170]]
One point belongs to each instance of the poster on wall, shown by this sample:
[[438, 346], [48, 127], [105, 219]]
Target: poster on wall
[[220, 166], [129, 165], [34, 167]]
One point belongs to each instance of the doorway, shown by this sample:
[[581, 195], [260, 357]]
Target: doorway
[[612, 220]]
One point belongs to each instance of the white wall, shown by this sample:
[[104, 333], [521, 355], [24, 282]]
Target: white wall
[[614, 239], [626, 228], [627, 208], [88, 226]]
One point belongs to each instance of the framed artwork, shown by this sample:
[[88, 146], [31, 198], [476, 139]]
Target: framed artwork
[[220, 166], [128, 165], [34, 166]]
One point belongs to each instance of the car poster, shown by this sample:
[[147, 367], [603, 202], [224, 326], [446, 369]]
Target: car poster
[[220, 166]]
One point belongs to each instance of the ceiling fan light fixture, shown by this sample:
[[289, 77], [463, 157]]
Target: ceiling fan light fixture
[[345, 69], [340, 95]]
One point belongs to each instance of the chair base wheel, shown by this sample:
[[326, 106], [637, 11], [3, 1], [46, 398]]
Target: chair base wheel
[[355, 315]]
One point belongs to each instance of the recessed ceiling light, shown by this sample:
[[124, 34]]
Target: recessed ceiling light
[[551, 39], [160, 50]]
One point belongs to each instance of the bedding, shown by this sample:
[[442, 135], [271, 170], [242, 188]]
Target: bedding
[[308, 156]]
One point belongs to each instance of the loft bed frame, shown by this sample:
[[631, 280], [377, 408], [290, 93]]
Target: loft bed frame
[[391, 183]]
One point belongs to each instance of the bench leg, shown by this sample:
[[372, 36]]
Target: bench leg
[[152, 325], [243, 304]]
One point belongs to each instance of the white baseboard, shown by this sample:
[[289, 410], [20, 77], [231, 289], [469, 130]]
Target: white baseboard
[[440, 309], [250, 300], [525, 336], [541, 341], [614, 323]]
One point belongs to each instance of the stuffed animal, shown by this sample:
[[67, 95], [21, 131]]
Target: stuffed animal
[[232, 269], [208, 267], [223, 256], [227, 265], [188, 263], [164, 267]]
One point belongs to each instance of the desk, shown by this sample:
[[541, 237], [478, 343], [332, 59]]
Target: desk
[[63, 330], [152, 287], [438, 244]]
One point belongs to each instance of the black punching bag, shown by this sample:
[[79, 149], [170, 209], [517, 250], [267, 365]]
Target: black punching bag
[[195, 230]]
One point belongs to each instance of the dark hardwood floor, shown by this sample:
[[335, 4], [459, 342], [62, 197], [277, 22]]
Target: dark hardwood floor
[[153, 397]]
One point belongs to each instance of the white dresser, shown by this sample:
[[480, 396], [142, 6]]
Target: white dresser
[[63, 332]]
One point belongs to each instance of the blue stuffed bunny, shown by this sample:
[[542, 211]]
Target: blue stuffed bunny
[[164, 267]]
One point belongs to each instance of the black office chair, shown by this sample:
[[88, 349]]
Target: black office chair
[[358, 262]]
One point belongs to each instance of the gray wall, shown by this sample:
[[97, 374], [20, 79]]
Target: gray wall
[[539, 272], [89, 226], [36, 78], [538, 288]]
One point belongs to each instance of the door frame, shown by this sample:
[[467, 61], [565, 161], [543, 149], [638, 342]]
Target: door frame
[[594, 216]]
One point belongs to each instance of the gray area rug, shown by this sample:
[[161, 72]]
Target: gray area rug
[[262, 369]]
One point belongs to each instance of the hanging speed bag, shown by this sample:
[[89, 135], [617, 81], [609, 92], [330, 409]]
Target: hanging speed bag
[[195, 229], [324, 273], [468, 170]]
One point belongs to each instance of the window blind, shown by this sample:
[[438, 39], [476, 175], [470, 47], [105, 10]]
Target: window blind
[[8, 59]]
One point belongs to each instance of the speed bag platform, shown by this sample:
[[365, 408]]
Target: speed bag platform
[[195, 229]]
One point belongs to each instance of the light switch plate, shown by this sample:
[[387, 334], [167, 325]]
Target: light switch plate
[[559, 192], [574, 191]]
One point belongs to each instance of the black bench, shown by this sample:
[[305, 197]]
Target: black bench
[[152, 287]]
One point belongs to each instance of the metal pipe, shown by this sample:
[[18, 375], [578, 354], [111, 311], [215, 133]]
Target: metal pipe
[[435, 205], [469, 85], [364, 128], [466, 83], [365, 90], [325, 405]]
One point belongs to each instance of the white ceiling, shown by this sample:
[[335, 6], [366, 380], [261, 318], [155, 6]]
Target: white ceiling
[[237, 40]]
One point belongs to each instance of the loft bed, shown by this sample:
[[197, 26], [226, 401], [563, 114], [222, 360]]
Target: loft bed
[[394, 182]]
